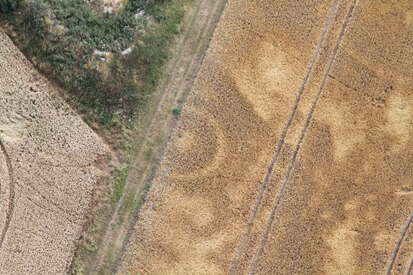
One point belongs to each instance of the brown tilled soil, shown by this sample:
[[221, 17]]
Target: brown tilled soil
[[335, 197], [49, 165]]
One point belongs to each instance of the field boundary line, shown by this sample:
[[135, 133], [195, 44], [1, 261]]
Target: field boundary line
[[10, 207], [398, 244], [307, 123], [235, 260]]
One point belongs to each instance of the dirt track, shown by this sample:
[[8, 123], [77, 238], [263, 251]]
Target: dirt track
[[173, 89], [340, 191], [49, 164]]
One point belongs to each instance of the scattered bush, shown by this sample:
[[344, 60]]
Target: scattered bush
[[176, 111]]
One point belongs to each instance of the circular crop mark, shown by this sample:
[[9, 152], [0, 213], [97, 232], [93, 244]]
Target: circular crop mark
[[200, 149], [6, 192]]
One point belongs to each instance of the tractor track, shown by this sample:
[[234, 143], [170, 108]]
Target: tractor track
[[11, 195], [281, 141], [258, 253], [398, 244], [410, 265]]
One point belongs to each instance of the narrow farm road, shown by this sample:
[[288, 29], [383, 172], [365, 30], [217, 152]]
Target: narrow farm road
[[178, 81]]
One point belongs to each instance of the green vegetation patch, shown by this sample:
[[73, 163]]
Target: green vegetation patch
[[7, 6], [61, 37]]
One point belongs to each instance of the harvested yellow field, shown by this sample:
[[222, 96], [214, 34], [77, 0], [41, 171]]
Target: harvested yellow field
[[49, 166], [294, 152]]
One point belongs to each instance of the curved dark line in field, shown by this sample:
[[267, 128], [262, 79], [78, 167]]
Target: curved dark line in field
[[307, 123], [11, 195], [398, 244], [410, 265], [281, 142]]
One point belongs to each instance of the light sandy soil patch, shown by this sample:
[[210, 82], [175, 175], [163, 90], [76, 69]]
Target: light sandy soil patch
[[106, 6], [49, 165], [294, 152]]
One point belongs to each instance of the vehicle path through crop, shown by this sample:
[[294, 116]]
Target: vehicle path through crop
[[398, 244], [255, 259], [307, 123], [281, 142]]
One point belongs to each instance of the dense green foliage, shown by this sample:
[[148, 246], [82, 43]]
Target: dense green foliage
[[9, 5], [68, 32]]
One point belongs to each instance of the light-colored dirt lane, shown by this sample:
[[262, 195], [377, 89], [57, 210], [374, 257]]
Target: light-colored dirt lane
[[345, 161], [197, 28], [49, 165]]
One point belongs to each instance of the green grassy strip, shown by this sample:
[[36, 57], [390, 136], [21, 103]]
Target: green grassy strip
[[89, 246]]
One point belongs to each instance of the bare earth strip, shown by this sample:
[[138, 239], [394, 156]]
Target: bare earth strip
[[50, 164], [337, 194], [182, 72]]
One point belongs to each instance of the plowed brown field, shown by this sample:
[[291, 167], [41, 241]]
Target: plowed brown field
[[48, 168], [294, 152]]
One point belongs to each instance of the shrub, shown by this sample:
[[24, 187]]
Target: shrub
[[176, 111], [7, 6]]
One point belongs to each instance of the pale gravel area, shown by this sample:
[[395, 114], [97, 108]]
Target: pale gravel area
[[56, 162]]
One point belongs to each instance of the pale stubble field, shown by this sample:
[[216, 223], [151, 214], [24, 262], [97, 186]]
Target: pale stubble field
[[50, 163]]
